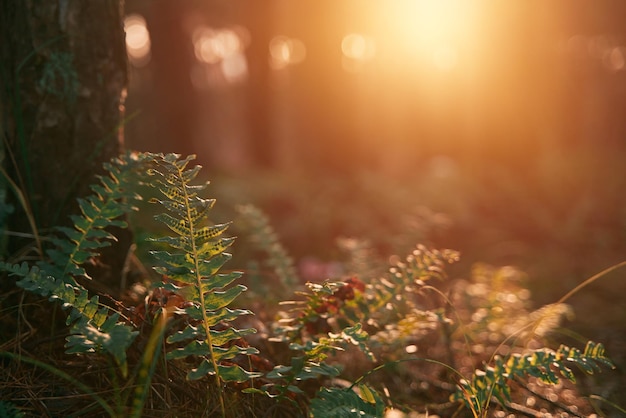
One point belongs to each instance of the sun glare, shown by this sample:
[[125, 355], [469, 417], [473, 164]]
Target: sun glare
[[358, 47], [285, 51], [222, 53], [427, 29], [137, 40], [214, 45]]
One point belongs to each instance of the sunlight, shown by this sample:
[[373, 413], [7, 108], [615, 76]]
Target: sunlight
[[357, 50], [235, 68], [137, 40], [222, 48], [615, 59], [426, 29], [358, 47], [286, 51], [212, 46]]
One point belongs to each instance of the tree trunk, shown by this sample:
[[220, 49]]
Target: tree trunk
[[63, 74], [257, 16]]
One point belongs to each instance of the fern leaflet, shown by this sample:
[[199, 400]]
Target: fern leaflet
[[335, 402], [543, 364]]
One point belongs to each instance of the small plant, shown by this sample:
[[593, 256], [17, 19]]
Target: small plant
[[95, 327], [193, 273], [543, 364], [264, 238]]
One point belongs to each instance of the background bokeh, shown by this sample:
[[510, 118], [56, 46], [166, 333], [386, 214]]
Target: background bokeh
[[494, 128]]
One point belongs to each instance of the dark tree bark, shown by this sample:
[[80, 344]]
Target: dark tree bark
[[63, 74]]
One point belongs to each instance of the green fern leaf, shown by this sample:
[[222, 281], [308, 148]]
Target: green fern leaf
[[198, 254], [223, 315], [217, 300], [541, 363], [263, 237], [333, 402], [237, 374], [93, 327], [596, 352], [9, 410]]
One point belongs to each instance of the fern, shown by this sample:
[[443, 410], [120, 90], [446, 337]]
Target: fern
[[311, 363], [324, 301], [335, 402], [8, 410], [543, 364], [382, 304], [264, 238], [193, 272], [94, 327]]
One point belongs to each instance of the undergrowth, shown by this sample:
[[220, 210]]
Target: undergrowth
[[393, 341]]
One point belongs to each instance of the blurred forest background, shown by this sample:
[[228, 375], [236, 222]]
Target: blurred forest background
[[493, 128]]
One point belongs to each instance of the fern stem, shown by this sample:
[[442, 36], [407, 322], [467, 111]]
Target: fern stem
[[198, 278]]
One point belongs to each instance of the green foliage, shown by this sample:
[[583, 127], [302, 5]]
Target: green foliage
[[94, 327], [285, 379], [328, 317], [397, 303], [8, 410], [308, 317], [264, 238], [382, 314], [335, 402], [388, 304], [542, 364], [310, 364], [192, 270]]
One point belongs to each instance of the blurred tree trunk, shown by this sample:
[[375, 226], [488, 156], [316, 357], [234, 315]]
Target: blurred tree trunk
[[257, 16], [63, 75], [174, 96]]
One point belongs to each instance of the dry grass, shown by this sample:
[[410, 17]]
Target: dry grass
[[41, 380]]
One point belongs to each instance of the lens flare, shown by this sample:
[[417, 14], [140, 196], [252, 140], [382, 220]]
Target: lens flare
[[137, 40], [285, 51]]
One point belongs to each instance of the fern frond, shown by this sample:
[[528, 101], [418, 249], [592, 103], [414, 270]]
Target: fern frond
[[385, 300], [544, 364], [198, 254], [112, 198], [94, 327]]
